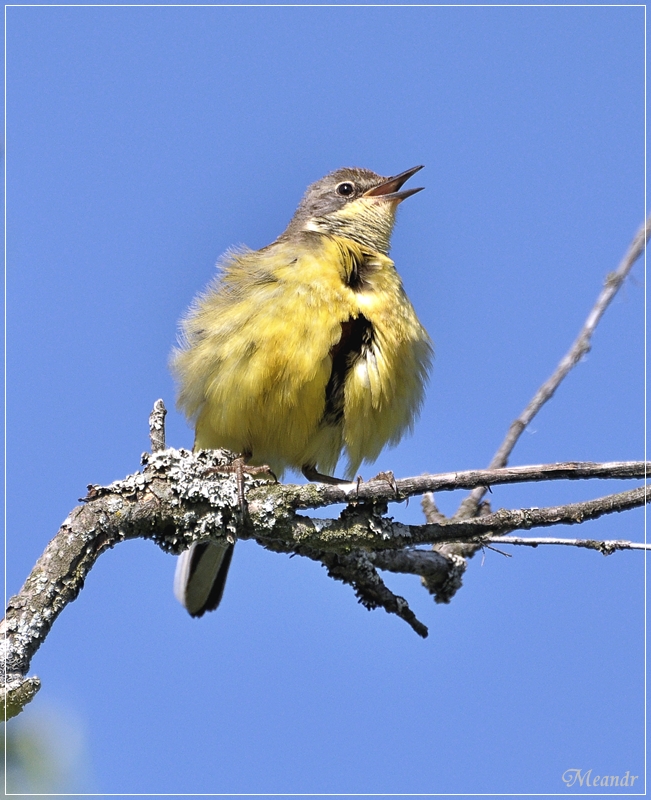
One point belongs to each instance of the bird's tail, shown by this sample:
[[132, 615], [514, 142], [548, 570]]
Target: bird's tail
[[201, 575]]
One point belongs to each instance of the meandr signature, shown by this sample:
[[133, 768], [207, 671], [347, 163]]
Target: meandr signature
[[577, 777]]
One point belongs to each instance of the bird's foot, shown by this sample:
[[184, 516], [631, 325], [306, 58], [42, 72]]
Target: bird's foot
[[314, 476], [240, 468], [381, 506], [389, 478]]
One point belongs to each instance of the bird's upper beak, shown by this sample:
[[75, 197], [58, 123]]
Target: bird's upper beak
[[388, 189]]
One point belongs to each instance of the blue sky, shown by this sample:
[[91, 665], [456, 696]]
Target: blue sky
[[143, 142]]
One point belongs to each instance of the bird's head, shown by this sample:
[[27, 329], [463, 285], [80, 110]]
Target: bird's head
[[354, 203]]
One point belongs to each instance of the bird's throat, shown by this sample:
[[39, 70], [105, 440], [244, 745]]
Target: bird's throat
[[367, 221]]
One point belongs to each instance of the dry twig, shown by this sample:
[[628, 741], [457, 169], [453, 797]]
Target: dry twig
[[607, 547], [576, 352]]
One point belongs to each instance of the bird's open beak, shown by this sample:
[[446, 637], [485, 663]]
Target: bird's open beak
[[388, 190]]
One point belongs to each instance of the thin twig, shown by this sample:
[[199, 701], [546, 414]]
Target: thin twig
[[580, 347], [606, 547]]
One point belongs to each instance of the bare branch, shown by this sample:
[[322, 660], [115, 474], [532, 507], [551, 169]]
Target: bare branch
[[606, 547], [317, 495], [579, 348]]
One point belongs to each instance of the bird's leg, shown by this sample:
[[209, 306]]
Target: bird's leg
[[240, 468], [311, 473]]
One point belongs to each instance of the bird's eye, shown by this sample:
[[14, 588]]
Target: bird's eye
[[346, 189]]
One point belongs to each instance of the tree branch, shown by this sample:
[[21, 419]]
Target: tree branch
[[578, 349], [175, 501], [361, 528], [358, 570], [317, 495], [472, 504]]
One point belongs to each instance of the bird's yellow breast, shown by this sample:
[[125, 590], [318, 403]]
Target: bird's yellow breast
[[259, 350]]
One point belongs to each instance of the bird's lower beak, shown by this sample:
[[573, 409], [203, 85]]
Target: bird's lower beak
[[388, 189]]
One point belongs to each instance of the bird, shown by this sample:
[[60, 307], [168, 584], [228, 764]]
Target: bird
[[303, 351]]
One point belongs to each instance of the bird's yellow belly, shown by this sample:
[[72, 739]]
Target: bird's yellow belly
[[267, 394], [266, 368]]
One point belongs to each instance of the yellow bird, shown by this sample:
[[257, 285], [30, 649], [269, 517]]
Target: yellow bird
[[303, 350]]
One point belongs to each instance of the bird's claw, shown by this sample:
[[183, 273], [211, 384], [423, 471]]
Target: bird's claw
[[389, 478]]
